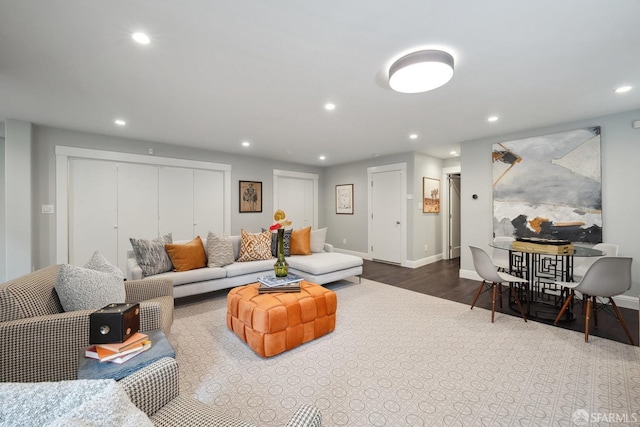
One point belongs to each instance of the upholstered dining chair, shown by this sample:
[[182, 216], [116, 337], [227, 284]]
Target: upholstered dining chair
[[493, 280], [582, 264], [605, 278], [500, 257]]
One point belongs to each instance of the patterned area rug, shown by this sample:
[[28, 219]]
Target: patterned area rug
[[401, 358]]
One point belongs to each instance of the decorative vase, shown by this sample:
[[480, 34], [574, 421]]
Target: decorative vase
[[281, 268]]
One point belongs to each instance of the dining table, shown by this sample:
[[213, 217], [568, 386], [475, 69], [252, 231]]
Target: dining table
[[541, 297]]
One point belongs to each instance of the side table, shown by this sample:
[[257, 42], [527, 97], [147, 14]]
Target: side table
[[94, 369]]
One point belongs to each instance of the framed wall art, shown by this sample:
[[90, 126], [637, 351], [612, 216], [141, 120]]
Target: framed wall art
[[250, 196], [430, 195], [549, 187], [344, 199]]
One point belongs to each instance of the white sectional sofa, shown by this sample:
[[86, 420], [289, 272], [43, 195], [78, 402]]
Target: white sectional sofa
[[320, 267]]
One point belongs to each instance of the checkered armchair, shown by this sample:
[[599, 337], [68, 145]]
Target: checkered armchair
[[154, 389], [40, 342]]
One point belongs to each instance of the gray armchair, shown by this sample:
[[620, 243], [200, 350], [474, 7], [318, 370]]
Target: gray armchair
[[154, 390], [40, 342]]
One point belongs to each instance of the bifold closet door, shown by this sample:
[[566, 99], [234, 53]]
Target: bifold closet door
[[208, 203], [137, 206], [93, 217], [175, 200]]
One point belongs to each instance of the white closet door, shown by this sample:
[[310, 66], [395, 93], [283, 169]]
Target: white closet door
[[137, 206], [176, 202], [296, 198], [208, 208], [92, 210]]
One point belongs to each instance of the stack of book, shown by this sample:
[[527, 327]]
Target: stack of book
[[119, 352], [271, 284]]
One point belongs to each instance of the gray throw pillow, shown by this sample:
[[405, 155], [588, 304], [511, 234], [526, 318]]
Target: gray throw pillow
[[83, 289], [151, 255], [219, 250], [99, 263], [286, 242]]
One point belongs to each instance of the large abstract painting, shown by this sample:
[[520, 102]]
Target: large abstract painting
[[549, 187]]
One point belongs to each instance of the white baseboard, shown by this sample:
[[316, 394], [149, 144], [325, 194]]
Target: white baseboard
[[345, 251], [626, 301], [423, 261], [408, 263]]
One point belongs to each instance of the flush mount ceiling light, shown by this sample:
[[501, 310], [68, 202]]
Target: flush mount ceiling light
[[141, 38], [421, 71]]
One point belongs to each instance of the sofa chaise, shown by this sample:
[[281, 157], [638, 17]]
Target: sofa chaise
[[319, 267]]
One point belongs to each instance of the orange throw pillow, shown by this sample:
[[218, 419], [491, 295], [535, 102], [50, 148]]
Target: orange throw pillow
[[301, 241], [187, 256]]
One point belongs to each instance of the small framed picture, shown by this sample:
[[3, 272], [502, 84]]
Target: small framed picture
[[430, 195], [250, 196], [344, 199]]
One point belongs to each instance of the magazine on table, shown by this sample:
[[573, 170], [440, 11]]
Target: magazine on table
[[272, 281]]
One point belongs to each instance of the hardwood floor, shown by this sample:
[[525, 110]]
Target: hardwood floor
[[441, 279]]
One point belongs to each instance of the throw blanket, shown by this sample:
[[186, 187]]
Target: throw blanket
[[78, 403]]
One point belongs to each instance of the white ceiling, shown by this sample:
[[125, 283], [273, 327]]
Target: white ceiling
[[220, 72]]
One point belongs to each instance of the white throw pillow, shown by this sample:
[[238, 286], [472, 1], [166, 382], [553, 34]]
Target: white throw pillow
[[99, 263], [219, 250], [318, 238], [83, 289]]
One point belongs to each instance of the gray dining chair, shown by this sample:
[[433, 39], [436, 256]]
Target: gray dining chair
[[500, 257], [493, 280], [605, 278], [582, 264]]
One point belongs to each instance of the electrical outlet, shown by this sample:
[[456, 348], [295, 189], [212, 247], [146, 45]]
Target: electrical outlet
[[344, 241], [426, 248]]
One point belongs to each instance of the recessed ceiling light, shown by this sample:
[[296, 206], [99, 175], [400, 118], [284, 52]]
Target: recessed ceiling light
[[141, 38], [329, 106], [453, 152], [623, 89], [119, 122], [492, 119], [413, 136], [246, 143], [322, 157]]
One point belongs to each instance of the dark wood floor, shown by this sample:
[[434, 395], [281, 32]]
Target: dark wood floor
[[441, 279]]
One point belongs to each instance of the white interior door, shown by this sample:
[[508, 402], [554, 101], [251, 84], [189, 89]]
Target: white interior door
[[209, 206], [454, 216], [295, 196], [137, 206], [93, 201], [386, 222], [175, 200]]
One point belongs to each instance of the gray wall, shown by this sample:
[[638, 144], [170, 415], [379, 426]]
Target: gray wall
[[3, 222], [421, 228], [620, 145], [18, 211], [244, 168]]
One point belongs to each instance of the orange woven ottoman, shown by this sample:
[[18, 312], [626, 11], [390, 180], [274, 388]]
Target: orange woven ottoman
[[276, 322]]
